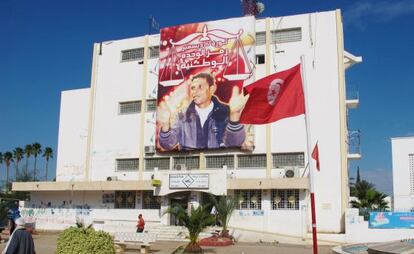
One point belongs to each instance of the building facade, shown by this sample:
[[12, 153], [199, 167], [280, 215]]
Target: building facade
[[403, 173], [109, 170]]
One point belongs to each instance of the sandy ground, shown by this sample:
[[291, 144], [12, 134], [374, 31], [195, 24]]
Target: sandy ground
[[45, 243]]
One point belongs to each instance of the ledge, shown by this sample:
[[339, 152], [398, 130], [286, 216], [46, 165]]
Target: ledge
[[82, 186], [274, 183]]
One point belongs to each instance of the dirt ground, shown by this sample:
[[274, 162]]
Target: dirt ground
[[45, 243]]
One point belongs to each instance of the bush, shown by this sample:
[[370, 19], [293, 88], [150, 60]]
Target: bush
[[84, 241]]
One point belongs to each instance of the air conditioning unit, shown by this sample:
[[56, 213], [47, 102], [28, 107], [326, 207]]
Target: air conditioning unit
[[112, 178], [149, 149], [291, 172], [180, 167]]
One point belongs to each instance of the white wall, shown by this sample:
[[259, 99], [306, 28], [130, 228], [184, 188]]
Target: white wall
[[403, 197], [73, 134], [118, 136]]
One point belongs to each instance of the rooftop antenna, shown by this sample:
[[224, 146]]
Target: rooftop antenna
[[153, 25], [252, 7]]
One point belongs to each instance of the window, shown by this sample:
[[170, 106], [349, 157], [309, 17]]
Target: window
[[411, 168], [154, 52], [249, 199], [190, 162], [132, 54], [127, 164], [260, 38], [219, 161], [124, 199], [252, 161], [129, 107], [287, 35], [151, 105], [160, 163], [281, 160], [285, 199], [260, 59], [149, 201]]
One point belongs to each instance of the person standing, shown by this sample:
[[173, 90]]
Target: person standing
[[21, 241], [141, 224]]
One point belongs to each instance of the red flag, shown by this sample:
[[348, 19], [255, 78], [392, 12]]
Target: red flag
[[274, 97], [315, 156]]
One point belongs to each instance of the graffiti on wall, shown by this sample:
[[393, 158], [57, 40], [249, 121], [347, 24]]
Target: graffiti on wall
[[56, 215]]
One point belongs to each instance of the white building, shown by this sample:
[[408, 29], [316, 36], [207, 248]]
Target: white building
[[403, 173], [106, 158]]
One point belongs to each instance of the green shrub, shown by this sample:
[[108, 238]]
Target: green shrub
[[84, 241]]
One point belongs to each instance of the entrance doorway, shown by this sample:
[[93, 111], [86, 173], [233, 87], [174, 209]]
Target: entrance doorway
[[180, 199]]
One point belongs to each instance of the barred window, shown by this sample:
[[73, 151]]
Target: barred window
[[154, 52], [249, 199], [287, 35], [160, 163], [149, 201], [132, 54], [260, 38], [129, 107], [285, 199], [190, 162], [219, 161], [125, 199], [252, 161], [281, 160], [127, 164], [151, 105]]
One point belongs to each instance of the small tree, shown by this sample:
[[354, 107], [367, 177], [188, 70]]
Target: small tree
[[36, 149], [225, 206], [198, 219]]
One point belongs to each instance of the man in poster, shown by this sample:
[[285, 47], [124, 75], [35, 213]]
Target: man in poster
[[207, 122]]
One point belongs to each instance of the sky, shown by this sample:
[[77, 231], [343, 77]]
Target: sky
[[46, 47]]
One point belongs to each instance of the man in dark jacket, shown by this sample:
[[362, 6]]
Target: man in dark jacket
[[207, 123], [21, 241]]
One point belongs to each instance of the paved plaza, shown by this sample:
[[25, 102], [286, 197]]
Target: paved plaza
[[45, 243]]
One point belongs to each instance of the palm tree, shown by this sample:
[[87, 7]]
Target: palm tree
[[28, 153], [1, 160], [198, 219], [36, 149], [8, 158], [48, 153], [225, 206], [18, 156]]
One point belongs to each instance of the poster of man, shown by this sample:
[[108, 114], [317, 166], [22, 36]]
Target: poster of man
[[203, 69]]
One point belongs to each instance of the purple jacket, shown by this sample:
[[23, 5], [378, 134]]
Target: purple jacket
[[217, 131]]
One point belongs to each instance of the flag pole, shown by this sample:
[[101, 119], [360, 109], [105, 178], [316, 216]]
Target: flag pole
[[311, 165]]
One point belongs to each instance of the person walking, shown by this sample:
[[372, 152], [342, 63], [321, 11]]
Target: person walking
[[141, 224], [21, 241]]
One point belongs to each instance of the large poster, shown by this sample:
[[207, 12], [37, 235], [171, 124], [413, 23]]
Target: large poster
[[391, 220], [203, 68]]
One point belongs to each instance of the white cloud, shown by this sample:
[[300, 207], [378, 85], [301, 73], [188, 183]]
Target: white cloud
[[376, 11], [382, 178]]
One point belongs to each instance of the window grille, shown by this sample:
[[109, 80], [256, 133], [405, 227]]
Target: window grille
[[260, 38], [219, 161], [129, 107], [127, 164], [190, 162], [149, 201], [260, 59], [285, 199], [252, 161], [151, 105], [154, 52], [249, 199], [132, 54], [125, 199], [287, 35], [160, 163], [411, 168], [281, 160]]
